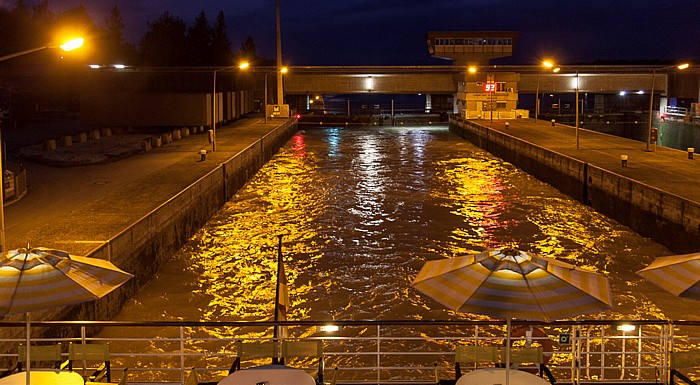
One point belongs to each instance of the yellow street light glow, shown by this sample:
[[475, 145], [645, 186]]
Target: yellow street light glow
[[284, 70], [683, 66], [548, 64], [244, 65], [72, 44], [556, 70], [472, 70]]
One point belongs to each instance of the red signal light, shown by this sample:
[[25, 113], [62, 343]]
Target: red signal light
[[297, 116]]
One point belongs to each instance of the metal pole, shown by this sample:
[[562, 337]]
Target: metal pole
[[491, 103], [577, 133], [265, 101], [537, 98], [392, 112], [2, 197], [651, 108], [277, 289], [213, 115], [280, 92]]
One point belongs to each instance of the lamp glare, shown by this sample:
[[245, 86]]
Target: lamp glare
[[73, 44]]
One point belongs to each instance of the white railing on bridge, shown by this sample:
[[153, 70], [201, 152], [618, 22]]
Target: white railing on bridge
[[377, 352]]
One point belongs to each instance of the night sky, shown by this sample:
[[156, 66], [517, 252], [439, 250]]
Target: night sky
[[392, 32]]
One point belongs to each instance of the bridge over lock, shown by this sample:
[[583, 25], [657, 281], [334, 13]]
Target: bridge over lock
[[465, 89]]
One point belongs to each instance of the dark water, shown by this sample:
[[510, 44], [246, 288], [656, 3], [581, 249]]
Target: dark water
[[362, 209]]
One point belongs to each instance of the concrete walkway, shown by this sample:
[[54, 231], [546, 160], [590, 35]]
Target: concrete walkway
[[663, 168], [76, 208]]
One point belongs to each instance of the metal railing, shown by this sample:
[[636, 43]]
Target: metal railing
[[380, 352]]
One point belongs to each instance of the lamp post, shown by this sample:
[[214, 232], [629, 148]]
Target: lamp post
[[546, 64], [67, 46], [280, 72], [651, 97], [577, 131], [556, 69], [280, 91], [214, 102]]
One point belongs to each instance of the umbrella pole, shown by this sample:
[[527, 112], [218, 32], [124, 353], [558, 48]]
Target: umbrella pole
[[29, 339], [508, 351]]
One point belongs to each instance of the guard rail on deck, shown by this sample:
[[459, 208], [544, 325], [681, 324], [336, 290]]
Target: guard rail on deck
[[384, 352]]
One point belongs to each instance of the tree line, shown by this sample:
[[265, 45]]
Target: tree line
[[168, 41]]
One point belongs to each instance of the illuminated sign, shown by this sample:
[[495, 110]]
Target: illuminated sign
[[490, 87]]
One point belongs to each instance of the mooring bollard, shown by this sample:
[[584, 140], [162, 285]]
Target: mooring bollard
[[507, 125], [691, 150], [202, 155], [553, 121], [623, 158]]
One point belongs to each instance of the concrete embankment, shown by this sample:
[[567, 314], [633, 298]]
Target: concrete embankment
[[139, 225], [653, 193]]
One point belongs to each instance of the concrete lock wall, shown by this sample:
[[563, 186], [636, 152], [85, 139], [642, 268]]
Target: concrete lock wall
[[147, 244], [666, 218]]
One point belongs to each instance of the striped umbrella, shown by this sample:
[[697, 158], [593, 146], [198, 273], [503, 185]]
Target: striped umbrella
[[39, 278], [510, 283], [677, 274]]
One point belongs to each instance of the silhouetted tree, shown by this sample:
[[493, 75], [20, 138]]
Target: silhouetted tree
[[115, 48], [221, 45], [164, 44], [199, 42], [247, 51], [24, 27]]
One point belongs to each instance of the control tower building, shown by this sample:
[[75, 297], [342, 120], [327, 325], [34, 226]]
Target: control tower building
[[480, 94]]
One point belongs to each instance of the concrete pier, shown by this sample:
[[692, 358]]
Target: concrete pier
[[655, 193]]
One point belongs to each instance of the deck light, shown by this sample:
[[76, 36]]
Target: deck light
[[626, 327], [328, 328]]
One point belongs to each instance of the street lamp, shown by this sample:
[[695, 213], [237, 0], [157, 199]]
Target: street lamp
[[281, 72], [556, 69], [241, 66], [651, 97], [577, 131], [67, 46], [546, 64]]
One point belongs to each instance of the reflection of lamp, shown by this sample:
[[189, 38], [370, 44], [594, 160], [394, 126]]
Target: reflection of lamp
[[651, 97], [67, 46]]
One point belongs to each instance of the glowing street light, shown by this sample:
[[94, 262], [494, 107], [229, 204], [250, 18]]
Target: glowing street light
[[651, 97], [281, 72], [241, 66], [67, 46], [551, 66], [72, 44]]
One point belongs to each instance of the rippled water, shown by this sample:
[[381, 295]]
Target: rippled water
[[361, 210]]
